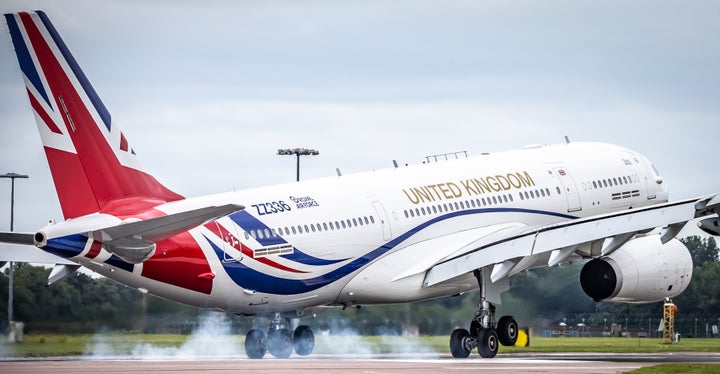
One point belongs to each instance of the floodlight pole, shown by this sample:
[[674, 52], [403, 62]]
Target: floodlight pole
[[298, 152], [12, 177]]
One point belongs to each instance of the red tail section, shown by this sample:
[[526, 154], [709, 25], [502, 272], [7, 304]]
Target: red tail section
[[91, 161]]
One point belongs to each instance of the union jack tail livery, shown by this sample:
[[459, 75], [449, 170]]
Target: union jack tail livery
[[389, 236], [91, 161]]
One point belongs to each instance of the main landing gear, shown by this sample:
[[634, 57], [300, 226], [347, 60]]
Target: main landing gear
[[484, 333], [279, 341]]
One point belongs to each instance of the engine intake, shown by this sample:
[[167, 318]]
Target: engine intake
[[642, 271]]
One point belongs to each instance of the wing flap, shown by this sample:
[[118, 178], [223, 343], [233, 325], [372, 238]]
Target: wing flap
[[432, 251]]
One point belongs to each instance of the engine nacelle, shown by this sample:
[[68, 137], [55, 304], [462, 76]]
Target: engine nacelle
[[643, 270]]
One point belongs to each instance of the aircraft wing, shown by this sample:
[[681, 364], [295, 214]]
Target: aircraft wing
[[588, 237]]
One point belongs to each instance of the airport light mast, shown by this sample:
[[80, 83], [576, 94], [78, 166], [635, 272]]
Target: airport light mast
[[298, 152], [12, 177]]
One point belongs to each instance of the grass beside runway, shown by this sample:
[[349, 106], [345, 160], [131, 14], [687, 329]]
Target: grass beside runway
[[679, 368], [223, 345]]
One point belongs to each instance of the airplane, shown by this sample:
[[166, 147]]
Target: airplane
[[397, 235]]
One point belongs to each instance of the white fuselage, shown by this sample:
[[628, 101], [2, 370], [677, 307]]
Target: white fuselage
[[369, 238]]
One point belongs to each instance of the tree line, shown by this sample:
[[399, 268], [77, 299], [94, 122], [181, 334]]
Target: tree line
[[539, 298]]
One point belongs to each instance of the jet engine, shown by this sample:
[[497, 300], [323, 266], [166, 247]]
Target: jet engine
[[643, 270]]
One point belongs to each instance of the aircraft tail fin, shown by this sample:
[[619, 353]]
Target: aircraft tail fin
[[90, 159]]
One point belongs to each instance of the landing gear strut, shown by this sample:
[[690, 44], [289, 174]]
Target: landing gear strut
[[279, 341], [484, 333]]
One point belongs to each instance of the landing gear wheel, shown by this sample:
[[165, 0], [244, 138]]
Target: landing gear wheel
[[303, 340], [507, 330], [488, 343], [255, 347], [458, 343], [279, 343], [475, 328]]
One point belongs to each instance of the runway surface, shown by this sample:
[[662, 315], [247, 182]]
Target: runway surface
[[536, 363]]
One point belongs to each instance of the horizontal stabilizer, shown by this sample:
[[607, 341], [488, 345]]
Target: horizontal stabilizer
[[132, 250], [29, 253], [16, 238], [60, 272], [156, 229]]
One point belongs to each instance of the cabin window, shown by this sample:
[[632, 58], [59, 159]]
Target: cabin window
[[293, 230], [372, 219], [354, 222]]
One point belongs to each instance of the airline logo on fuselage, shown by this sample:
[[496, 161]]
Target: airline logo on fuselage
[[304, 202], [468, 187]]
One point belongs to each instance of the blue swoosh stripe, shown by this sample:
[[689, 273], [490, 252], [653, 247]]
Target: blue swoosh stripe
[[247, 222], [73, 245], [251, 279]]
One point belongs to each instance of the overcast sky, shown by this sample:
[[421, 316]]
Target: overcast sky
[[206, 92]]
